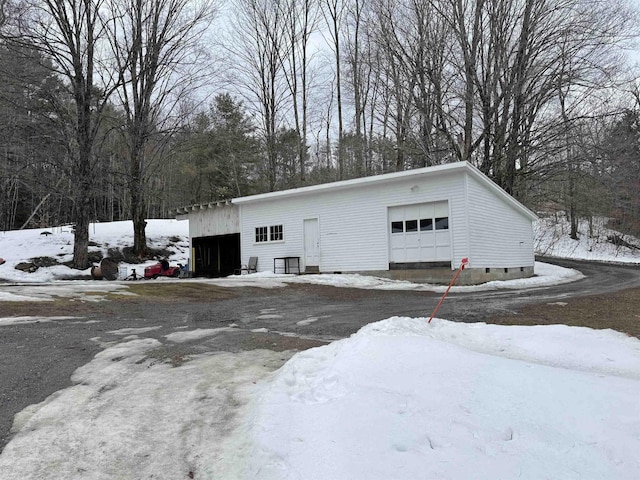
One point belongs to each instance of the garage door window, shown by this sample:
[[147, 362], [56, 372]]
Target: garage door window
[[442, 223], [426, 224]]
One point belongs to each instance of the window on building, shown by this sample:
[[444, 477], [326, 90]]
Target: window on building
[[442, 223], [422, 225], [426, 224], [262, 234], [275, 233], [411, 225]]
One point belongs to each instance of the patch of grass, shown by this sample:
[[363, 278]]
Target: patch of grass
[[145, 292], [170, 291], [91, 293], [619, 311], [56, 307]]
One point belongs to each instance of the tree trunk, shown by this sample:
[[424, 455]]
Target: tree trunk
[[336, 14], [81, 242], [82, 219], [356, 79], [138, 206], [139, 236], [470, 52], [573, 215]]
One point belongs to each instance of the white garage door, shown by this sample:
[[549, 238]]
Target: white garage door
[[420, 233]]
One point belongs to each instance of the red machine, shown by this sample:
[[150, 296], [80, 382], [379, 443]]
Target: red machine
[[161, 269]]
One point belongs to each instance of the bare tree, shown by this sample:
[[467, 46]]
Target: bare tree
[[301, 19], [358, 47], [68, 34], [333, 12], [415, 42], [158, 46], [260, 43], [514, 57], [398, 73]]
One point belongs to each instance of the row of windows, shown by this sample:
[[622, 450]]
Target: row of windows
[[274, 233], [422, 225]]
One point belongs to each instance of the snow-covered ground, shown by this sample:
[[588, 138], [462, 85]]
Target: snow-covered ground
[[20, 246], [552, 239], [400, 399]]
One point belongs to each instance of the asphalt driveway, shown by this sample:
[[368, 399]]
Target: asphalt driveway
[[39, 358]]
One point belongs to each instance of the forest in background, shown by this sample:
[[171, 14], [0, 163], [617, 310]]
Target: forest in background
[[126, 109]]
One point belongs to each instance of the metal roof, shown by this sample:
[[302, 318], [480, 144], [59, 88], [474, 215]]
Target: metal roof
[[391, 177]]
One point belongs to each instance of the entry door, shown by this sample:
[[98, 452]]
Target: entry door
[[311, 243]]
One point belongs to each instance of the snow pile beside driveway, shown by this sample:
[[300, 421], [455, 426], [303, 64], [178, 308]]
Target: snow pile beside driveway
[[545, 275], [400, 399], [131, 416], [405, 399]]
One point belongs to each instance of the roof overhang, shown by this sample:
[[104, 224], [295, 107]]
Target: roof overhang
[[180, 211]]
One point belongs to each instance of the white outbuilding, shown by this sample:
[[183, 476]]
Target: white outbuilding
[[416, 224]]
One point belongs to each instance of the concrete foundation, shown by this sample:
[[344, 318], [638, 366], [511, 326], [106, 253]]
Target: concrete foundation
[[443, 275]]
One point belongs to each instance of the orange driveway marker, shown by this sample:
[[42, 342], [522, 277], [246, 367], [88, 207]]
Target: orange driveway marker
[[455, 277]]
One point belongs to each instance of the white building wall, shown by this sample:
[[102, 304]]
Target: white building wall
[[500, 235], [353, 222]]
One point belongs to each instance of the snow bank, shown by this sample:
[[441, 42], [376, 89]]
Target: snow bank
[[403, 399]]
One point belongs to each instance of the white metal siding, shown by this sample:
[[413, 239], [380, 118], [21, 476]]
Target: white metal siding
[[500, 235], [353, 222]]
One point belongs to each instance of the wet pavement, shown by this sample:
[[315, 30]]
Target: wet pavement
[[38, 358]]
